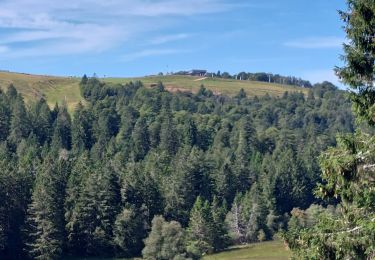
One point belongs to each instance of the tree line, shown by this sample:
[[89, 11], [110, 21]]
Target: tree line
[[257, 76]]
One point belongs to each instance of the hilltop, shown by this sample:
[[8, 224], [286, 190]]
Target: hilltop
[[57, 89]]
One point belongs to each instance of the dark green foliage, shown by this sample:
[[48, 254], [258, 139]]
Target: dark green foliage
[[62, 130], [97, 195], [347, 170], [200, 233], [359, 57], [140, 136], [132, 153], [5, 115], [19, 124], [248, 217], [45, 218], [41, 119], [82, 135], [129, 231]]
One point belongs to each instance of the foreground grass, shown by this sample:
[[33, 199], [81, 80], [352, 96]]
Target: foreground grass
[[272, 250]]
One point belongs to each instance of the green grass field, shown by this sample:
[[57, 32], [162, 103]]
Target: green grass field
[[218, 86], [53, 89], [272, 250], [59, 89]]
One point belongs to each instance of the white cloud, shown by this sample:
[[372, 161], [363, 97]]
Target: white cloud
[[44, 27], [316, 42], [152, 52]]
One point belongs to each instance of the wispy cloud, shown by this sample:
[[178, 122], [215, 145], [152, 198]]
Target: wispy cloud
[[42, 27], [152, 52], [3, 49], [316, 42]]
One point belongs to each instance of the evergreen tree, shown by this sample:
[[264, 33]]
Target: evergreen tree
[[45, 213], [168, 135], [20, 125], [129, 231], [246, 142], [220, 229], [348, 170], [5, 116], [95, 213], [140, 138], [200, 233], [81, 170], [62, 129], [41, 119], [358, 71], [82, 136]]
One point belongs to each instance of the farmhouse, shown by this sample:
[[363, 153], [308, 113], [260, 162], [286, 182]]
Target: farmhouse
[[197, 72]]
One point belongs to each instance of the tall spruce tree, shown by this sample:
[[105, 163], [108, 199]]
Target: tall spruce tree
[[200, 233], [45, 219], [348, 170]]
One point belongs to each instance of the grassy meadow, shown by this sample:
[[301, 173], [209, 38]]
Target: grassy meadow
[[53, 89], [270, 250], [217, 85], [66, 89]]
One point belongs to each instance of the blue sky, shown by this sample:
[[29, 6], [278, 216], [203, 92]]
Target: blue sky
[[134, 38]]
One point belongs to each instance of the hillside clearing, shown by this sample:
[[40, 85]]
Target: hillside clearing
[[66, 89], [217, 85], [272, 250]]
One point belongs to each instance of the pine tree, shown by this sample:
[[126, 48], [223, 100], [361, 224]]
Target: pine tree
[[92, 218], [129, 232], [192, 179], [7, 182], [140, 139], [5, 116], [41, 119], [81, 170], [220, 229], [168, 135], [82, 136], [200, 233], [246, 143], [45, 213], [358, 71], [225, 182], [20, 125], [190, 133], [62, 129], [348, 169]]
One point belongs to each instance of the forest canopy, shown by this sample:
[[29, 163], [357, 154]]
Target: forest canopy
[[141, 171]]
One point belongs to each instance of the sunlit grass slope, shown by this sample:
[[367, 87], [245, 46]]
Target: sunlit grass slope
[[218, 86], [53, 89], [272, 250], [66, 89]]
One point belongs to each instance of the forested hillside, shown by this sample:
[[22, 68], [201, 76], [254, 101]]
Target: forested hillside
[[142, 171]]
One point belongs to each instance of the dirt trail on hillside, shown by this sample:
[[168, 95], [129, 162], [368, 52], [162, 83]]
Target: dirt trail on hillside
[[200, 79]]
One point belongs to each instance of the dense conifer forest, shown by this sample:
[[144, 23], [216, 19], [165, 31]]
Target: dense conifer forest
[[138, 171]]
